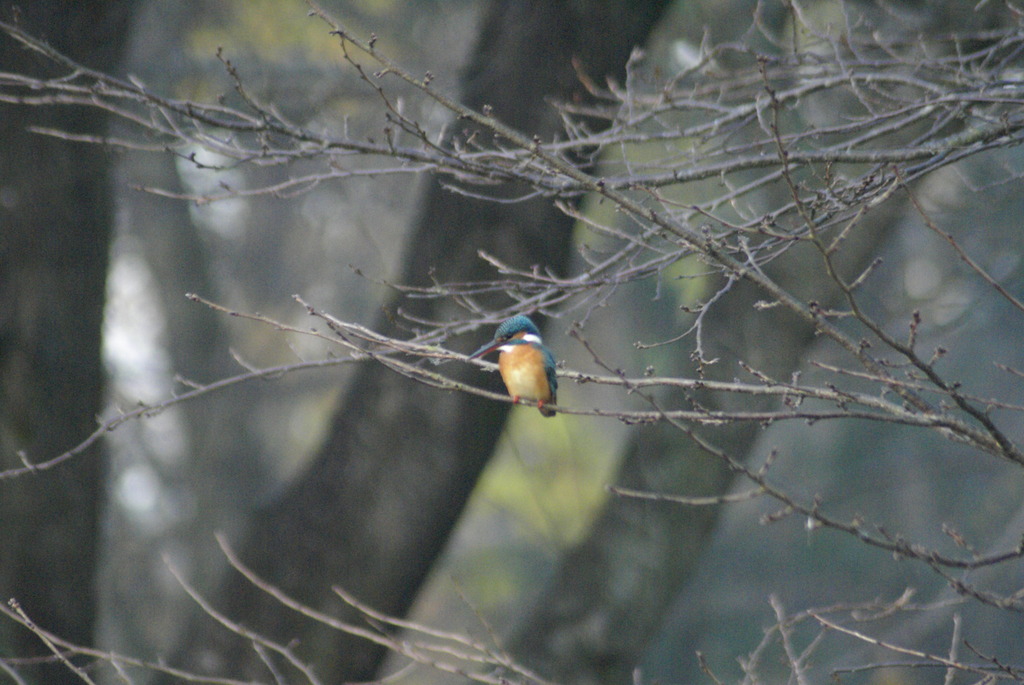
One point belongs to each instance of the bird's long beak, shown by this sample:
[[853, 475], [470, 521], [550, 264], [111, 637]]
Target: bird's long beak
[[489, 347]]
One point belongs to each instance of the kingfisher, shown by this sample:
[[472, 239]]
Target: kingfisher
[[526, 365]]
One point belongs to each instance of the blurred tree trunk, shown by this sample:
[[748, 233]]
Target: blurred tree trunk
[[594, 619], [55, 214], [377, 505], [219, 442]]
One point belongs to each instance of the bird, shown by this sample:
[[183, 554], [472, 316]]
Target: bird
[[526, 365]]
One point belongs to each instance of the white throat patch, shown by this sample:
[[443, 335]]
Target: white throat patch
[[528, 338]]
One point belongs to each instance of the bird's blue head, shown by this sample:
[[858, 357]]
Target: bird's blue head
[[509, 329]]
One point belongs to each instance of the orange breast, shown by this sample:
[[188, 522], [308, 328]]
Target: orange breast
[[522, 369]]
